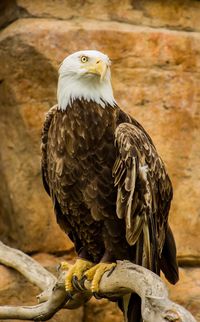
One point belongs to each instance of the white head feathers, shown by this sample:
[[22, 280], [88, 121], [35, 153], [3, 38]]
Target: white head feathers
[[85, 75]]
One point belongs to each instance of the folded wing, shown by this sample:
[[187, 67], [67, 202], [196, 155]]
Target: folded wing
[[144, 193]]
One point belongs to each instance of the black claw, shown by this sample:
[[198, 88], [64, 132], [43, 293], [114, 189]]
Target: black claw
[[97, 295], [81, 282], [69, 295], [76, 283], [110, 272]]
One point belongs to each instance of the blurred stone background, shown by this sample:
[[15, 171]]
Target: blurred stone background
[[155, 51]]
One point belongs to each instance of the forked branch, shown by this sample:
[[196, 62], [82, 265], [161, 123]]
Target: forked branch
[[126, 278]]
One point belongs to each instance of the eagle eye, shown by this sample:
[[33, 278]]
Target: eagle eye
[[84, 59]]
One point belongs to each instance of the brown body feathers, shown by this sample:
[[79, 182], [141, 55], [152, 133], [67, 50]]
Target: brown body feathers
[[110, 190]]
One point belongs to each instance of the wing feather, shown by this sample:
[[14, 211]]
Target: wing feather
[[44, 145], [144, 191], [48, 168]]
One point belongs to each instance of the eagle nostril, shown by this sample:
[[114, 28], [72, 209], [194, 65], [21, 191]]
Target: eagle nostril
[[98, 61]]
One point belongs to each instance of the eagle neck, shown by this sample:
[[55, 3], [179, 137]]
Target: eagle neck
[[89, 90]]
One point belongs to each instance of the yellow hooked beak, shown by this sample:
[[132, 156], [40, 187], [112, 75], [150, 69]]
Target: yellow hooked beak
[[99, 67]]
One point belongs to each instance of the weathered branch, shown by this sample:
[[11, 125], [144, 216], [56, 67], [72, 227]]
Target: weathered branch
[[126, 278], [27, 266], [44, 311]]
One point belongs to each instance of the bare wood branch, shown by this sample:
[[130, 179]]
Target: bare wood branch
[[27, 266], [126, 278], [40, 312], [44, 311]]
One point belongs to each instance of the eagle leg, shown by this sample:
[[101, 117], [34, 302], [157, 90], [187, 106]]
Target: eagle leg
[[95, 274], [75, 272]]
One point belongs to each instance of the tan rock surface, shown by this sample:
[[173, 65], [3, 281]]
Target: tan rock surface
[[103, 311], [178, 14], [27, 78], [156, 79]]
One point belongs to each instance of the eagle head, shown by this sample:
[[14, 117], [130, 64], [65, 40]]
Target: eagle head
[[85, 75]]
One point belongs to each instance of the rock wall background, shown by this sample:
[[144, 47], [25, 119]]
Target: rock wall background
[[155, 52]]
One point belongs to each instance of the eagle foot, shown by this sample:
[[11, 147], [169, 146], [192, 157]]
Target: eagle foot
[[95, 274], [75, 273]]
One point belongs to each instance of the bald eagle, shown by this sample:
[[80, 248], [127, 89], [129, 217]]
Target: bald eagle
[[110, 190]]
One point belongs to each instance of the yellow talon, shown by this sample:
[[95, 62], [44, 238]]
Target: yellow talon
[[95, 274], [77, 270], [65, 266]]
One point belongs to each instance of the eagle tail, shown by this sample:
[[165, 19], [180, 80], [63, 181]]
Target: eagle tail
[[132, 308], [131, 303], [168, 262], [143, 255]]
